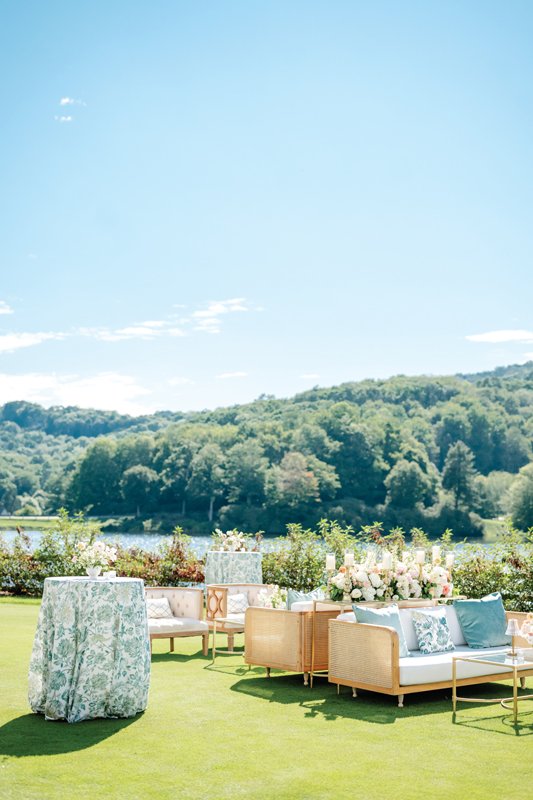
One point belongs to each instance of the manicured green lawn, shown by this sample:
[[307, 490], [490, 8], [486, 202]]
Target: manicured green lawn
[[224, 732]]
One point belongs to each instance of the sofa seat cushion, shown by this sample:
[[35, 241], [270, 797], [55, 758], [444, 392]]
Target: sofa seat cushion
[[347, 616], [237, 618], [302, 605], [437, 667], [177, 625]]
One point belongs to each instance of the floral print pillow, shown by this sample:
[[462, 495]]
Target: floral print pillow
[[432, 631]]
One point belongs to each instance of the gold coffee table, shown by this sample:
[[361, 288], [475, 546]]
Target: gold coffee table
[[511, 667]]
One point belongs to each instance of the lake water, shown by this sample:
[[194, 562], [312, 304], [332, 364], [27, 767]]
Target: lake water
[[151, 541]]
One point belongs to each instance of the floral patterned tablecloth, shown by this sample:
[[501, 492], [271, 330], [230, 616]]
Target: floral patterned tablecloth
[[223, 566], [91, 653]]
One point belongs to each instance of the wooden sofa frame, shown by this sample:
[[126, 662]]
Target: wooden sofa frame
[[368, 657]]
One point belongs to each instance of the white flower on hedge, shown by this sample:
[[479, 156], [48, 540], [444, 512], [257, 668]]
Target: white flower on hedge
[[369, 593], [375, 580], [338, 580]]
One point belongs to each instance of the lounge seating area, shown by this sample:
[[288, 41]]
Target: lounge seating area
[[366, 656]]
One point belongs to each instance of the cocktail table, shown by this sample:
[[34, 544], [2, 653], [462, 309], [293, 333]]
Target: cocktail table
[[514, 668]]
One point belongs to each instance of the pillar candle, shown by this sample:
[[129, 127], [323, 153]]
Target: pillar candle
[[348, 559], [330, 562], [387, 560], [435, 553], [420, 555]]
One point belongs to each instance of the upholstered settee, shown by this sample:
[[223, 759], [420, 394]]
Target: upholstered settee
[[187, 608], [367, 656]]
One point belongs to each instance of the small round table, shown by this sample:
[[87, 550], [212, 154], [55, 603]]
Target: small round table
[[91, 652]]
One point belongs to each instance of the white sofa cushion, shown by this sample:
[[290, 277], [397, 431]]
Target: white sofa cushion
[[302, 605], [437, 667], [177, 625], [237, 618], [237, 603], [158, 608], [347, 616], [409, 629]]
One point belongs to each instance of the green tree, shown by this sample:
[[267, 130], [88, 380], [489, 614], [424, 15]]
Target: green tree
[[407, 485], [458, 475], [139, 486], [246, 469], [95, 486], [521, 499], [292, 483], [207, 476]]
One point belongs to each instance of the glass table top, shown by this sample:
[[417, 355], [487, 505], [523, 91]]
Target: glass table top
[[522, 658]]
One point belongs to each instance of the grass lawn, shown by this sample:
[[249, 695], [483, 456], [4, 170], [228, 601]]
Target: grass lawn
[[225, 732]]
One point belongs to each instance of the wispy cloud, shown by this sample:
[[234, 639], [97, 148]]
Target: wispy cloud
[[179, 381], [172, 327], [71, 101], [228, 375], [9, 342], [5, 308], [503, 336], [208, 320], [105, 390], [63, 118]]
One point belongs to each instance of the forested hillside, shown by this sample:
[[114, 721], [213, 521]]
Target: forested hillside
[[422, 451]]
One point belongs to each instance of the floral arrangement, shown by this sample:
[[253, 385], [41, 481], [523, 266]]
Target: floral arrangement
[[273, 597], [404, 579], [235, 541], [97, 554]]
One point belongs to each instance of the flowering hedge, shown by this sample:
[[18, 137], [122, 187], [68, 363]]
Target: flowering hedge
[[23, 570], [297, 561]]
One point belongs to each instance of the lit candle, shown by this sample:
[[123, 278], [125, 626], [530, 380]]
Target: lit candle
[[330, 562], [420, 554], [450, 558], [435, 553], [387, 560], [405, 556], [348, 559]]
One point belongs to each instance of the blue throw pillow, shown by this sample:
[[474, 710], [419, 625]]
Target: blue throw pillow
[[432, 631], [293, 596], [483, 621], [389, 616]]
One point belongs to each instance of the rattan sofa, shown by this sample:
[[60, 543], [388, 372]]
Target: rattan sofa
[[368, 657], [187, 605]]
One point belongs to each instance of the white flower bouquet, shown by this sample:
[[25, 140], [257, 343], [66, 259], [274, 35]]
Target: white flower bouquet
[[94, 555], [405, 579], [234, 541], [272, 597]]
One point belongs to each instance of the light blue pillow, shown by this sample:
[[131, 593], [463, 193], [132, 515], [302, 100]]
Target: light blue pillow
[[389, 616], [293, 596], [483, 621]]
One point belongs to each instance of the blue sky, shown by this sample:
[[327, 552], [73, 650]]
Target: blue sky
[[206, 201]]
